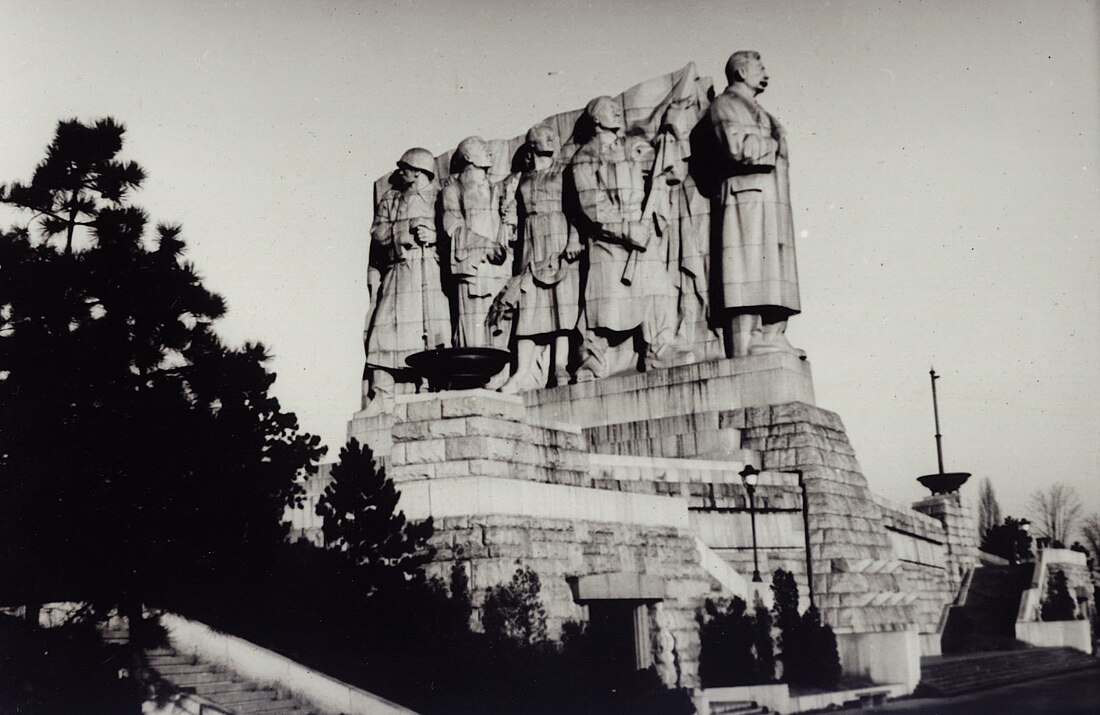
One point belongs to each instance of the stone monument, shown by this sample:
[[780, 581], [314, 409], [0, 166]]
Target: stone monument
[[609, 462]]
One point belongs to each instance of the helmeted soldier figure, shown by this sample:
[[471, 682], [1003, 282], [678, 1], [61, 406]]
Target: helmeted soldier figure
[[549, 281], [628, 289], [412, 313], [480, 238]]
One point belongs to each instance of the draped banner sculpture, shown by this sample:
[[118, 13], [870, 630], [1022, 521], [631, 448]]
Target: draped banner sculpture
[[587, 246]]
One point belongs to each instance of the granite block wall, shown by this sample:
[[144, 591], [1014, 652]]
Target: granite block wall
[[559, 550], [857, 575]]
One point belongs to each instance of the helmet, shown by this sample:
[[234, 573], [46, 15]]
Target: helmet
[[543, 139], [474, 151], [419, 159]]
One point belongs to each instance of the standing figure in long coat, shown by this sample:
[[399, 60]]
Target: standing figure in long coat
[[628, 289], [686, 220], [480, 233], [412, 312], [549, 279], [758, 271]]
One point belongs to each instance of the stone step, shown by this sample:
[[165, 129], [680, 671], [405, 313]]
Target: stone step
[[988, 617], [190, 679], [220, 686], [232, 694], [249, 695], [267, 706], [950, 676]]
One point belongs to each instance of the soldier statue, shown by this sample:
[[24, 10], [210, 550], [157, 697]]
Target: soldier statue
[[549, 280], [480, 235], [412, 312], [628, 293]]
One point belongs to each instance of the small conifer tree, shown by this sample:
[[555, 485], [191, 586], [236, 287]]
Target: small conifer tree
[[821, 666], [763, 643], [1058, 604], [514, 611], [361, 519]]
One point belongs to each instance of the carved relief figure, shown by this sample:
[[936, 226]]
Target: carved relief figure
[[480, 234], [549, 284], [759, 276], [412, 312], [627, 287], [685, 217]]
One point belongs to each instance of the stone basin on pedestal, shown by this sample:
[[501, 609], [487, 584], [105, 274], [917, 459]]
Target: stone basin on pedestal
[[458, 368], [944, 482]]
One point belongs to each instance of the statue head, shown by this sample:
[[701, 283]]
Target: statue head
[[605, 113], [414, 163], [474, 151], [745, 67], [542, 140]]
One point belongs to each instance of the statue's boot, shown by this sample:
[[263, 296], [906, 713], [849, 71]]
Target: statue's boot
[[773, 339], [561, 360], [526, 375], [745, 332]]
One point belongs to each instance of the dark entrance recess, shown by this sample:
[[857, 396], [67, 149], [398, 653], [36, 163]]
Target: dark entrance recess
[[618, 619], [616, 641]]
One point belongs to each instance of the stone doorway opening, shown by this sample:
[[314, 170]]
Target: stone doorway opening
[[619, 629], [620, 614]]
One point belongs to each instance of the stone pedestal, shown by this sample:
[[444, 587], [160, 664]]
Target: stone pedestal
[[700, 388], [960, 528], [634, 479], [855, 568]]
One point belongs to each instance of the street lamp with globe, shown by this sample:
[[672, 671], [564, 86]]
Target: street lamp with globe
[[750, 475]]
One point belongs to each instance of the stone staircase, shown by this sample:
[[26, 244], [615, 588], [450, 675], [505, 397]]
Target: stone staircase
[[987, 619], [218, 690], [738, 707], [945, 676]]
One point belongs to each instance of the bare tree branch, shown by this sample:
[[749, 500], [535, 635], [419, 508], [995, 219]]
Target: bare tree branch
[[1056, 511]]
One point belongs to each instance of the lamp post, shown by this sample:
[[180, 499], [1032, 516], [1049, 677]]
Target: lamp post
[[749, 475]]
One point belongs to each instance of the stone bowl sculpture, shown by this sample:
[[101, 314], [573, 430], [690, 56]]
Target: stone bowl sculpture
[[458, 368], [944, 482]]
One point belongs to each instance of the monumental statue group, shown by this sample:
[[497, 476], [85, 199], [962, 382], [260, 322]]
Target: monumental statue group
[[649, 230]]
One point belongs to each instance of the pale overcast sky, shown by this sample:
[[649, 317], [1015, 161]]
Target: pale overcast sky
[[944, 176]]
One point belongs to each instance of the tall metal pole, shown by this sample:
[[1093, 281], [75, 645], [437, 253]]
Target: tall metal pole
[[936, 414]]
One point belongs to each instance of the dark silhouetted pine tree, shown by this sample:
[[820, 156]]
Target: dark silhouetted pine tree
[[1008, 540], [361, 519], [139, 456]]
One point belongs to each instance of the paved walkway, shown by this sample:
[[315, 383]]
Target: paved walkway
[[1070, 694]]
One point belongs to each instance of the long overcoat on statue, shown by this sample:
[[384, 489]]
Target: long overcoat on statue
[[476, 222], [412, 313], [758, 268], [550, 301]]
